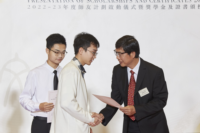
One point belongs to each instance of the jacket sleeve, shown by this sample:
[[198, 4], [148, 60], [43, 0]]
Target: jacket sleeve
[[110, 111], [68, 102], [159, 100]]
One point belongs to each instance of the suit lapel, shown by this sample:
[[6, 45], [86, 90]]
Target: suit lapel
[[141, 75], [124, 82]]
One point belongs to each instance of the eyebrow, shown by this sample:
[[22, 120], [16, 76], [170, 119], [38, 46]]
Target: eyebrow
[[119, 51], [59, 50]]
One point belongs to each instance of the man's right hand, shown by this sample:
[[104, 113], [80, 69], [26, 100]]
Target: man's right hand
[[46, 107], [97, 119], [99, 116]]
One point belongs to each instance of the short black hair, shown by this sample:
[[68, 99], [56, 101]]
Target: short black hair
[[55, 38], [84, 40], [129, 44]]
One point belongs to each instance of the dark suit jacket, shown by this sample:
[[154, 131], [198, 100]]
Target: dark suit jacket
[[149, 108]]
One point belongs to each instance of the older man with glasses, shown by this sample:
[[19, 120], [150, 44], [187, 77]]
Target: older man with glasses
[[141, 86]]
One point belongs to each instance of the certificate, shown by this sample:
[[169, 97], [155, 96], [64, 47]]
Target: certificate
[[108, 101], [52, 99]]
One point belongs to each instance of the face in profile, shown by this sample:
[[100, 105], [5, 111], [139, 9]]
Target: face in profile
[[90, 54], [57, 53], [124, 58]]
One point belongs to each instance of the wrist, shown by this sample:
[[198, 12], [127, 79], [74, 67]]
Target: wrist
[[102, 116], [37, 107]]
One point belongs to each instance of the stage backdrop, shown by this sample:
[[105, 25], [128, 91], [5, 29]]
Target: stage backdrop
[[168, 32]]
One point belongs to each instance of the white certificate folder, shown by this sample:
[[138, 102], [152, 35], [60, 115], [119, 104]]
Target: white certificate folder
[[108, 101], [52, 99]]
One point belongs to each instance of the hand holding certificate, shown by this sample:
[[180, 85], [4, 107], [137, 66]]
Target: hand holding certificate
[[52, 99], [108, 101]]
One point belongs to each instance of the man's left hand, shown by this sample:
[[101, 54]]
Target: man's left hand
[[97, 119], [128, 110]]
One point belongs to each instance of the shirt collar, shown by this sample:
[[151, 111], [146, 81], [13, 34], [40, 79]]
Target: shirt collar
[[80, 66], [136, 68], [51, 69]]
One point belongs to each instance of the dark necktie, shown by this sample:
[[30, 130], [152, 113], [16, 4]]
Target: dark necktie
[[131, 90], [55, 80]]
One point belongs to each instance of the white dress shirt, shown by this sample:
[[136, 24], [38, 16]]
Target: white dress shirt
[[135, 70], [38, 83]]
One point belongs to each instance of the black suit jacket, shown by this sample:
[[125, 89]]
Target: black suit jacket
[[149, 108]]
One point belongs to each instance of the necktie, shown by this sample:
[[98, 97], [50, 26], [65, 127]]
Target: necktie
[[55, 80], [131, 90]]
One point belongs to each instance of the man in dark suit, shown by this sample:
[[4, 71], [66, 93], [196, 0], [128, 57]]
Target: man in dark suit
[[141, 87]]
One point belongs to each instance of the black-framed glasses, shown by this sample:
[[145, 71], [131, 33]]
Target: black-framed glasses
[[58, 53], [94, 53], [119, 54]]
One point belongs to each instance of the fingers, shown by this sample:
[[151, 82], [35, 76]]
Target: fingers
[[97, 122], [127, 110], [94, 114], [91, 124], [124, 109], [46, 107], [100, 116], [97, 119]]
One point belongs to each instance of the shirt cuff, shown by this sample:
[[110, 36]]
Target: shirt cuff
[[92, 120], [36, 107], [90, 117]]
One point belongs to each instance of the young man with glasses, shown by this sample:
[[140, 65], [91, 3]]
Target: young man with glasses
[[40, 81], [72, 112], [141, 86]]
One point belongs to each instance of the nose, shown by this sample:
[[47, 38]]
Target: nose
[[60, 55]]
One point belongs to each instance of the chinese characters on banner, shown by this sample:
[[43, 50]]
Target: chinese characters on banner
[[114, 4]]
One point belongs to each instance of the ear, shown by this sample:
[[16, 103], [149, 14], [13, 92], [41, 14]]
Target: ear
[[81, 50], [133, 54], [47, 51]]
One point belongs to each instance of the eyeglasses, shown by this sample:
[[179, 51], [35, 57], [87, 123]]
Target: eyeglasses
[[119, 54], [94, 53], [59, 53]]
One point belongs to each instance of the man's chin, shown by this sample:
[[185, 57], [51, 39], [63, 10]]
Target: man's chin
[[122, 65], [89, 64], [57, 62]]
